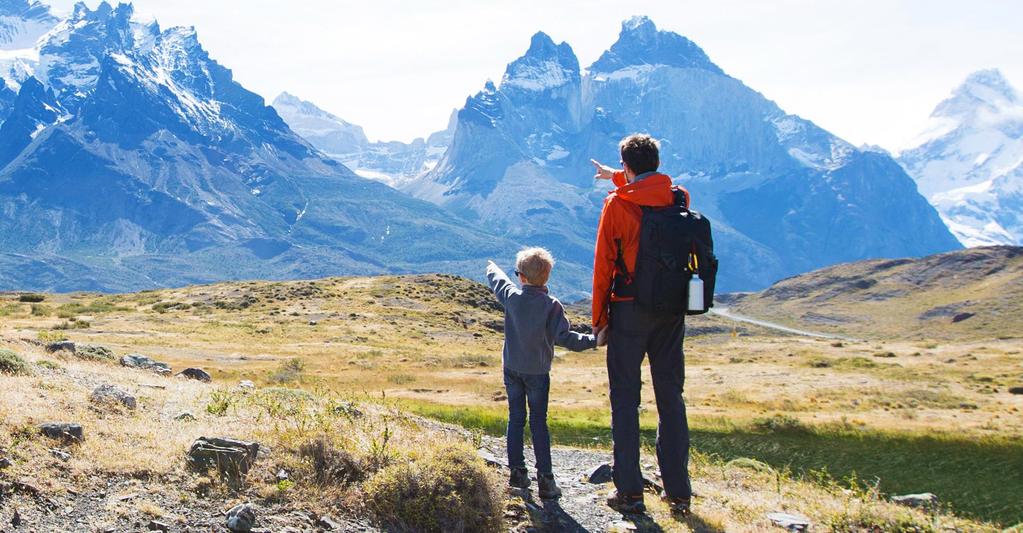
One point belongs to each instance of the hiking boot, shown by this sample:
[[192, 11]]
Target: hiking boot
[[680, 507], [549, 489], [626, 504], [519, 478]]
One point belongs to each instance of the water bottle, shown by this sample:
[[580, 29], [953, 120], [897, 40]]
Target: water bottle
[[696, 293]]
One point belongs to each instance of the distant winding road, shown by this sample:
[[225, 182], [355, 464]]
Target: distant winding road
[[725, 312]]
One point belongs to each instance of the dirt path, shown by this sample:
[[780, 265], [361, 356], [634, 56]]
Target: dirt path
[[725, 312], [581, 509]]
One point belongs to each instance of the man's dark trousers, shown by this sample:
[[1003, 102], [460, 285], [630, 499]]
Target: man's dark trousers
[[634, 333]]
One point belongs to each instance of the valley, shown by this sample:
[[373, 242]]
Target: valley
[[891, 406]]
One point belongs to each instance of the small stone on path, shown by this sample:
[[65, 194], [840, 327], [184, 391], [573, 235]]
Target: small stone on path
[[241, 518], [601, 474], [158, 526]]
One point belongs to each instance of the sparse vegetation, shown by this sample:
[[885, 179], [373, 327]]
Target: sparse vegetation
[[12, 364], [31, 298]]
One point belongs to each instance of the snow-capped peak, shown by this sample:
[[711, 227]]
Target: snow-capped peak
[[969, 160], [641, 43], [983, 91], [544, 66]]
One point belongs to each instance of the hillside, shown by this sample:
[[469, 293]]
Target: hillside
[[812, 412], [968, 294]]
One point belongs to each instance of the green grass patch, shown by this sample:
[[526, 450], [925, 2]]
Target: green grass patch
[[980, 477], [12, 364]]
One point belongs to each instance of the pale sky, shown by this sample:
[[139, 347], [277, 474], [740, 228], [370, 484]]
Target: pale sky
[[870, 71]]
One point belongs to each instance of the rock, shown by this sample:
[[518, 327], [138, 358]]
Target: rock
[[283, 475], [197, 374], [61, 346], [327, 523], [142, 362], [601, 474], [63, 432], [962, 316], [109, 394], [155, 525], [1015, 390], [490, 459], [5, 463], [246, 384], [60, 454], [790, 522], [185, 417], [313, 322], [924, 500], [232, 458], [16, 519], [241, 518]]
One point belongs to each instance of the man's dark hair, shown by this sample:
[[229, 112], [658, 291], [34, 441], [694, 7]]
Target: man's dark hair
[[641, 152]]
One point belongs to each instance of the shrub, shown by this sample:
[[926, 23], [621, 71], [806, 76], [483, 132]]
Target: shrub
[[40, 310], [30, 298], [332, 466], [401, 379], [780, 424], [287, 371], [12, 364], [449, 490], [73, 324], [51, 336], [94, 353]]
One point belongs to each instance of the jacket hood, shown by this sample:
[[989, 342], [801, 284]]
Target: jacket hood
[[653, 190]]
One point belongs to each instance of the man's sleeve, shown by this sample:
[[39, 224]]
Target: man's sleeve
[[603, 265], [565, 337], [499, 283], [619, 179]]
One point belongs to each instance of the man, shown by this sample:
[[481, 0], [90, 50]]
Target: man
[[633, 331]]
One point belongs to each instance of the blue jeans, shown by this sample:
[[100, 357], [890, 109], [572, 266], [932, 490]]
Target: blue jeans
[[533, 389]]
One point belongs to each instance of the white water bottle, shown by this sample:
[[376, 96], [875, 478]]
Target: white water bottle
[[696, 293]]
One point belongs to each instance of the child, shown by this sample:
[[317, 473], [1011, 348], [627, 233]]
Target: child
[[533, 323]]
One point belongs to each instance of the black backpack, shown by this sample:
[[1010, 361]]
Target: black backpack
[[673, 243]]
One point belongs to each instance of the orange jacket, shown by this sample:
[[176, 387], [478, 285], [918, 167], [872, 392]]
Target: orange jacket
[[620, 220]]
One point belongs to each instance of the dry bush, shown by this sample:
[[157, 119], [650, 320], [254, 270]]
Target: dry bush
[[448, 490]]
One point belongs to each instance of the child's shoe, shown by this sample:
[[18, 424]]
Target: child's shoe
[[519, 478], [549, 489]]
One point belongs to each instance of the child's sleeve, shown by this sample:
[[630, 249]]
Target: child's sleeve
[[499, 283], [565, 337]]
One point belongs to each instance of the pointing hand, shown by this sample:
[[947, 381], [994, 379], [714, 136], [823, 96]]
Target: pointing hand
[[604, 172]]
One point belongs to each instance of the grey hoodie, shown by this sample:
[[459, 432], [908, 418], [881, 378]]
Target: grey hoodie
[[534, 322]]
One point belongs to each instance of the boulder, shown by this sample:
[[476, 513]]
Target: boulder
[[110, 394], [231, 458], [63, 431], [197, 374], [5, 463], [60, 346], [241, 518], [601, 474], [1015, 390], [135, 360], [327, 523], [925, 500]]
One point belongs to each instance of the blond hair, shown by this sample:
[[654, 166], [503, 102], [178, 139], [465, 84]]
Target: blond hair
[[535, 264]]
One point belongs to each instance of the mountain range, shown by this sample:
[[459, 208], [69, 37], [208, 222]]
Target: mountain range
[[969, 161], [129, 159]]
